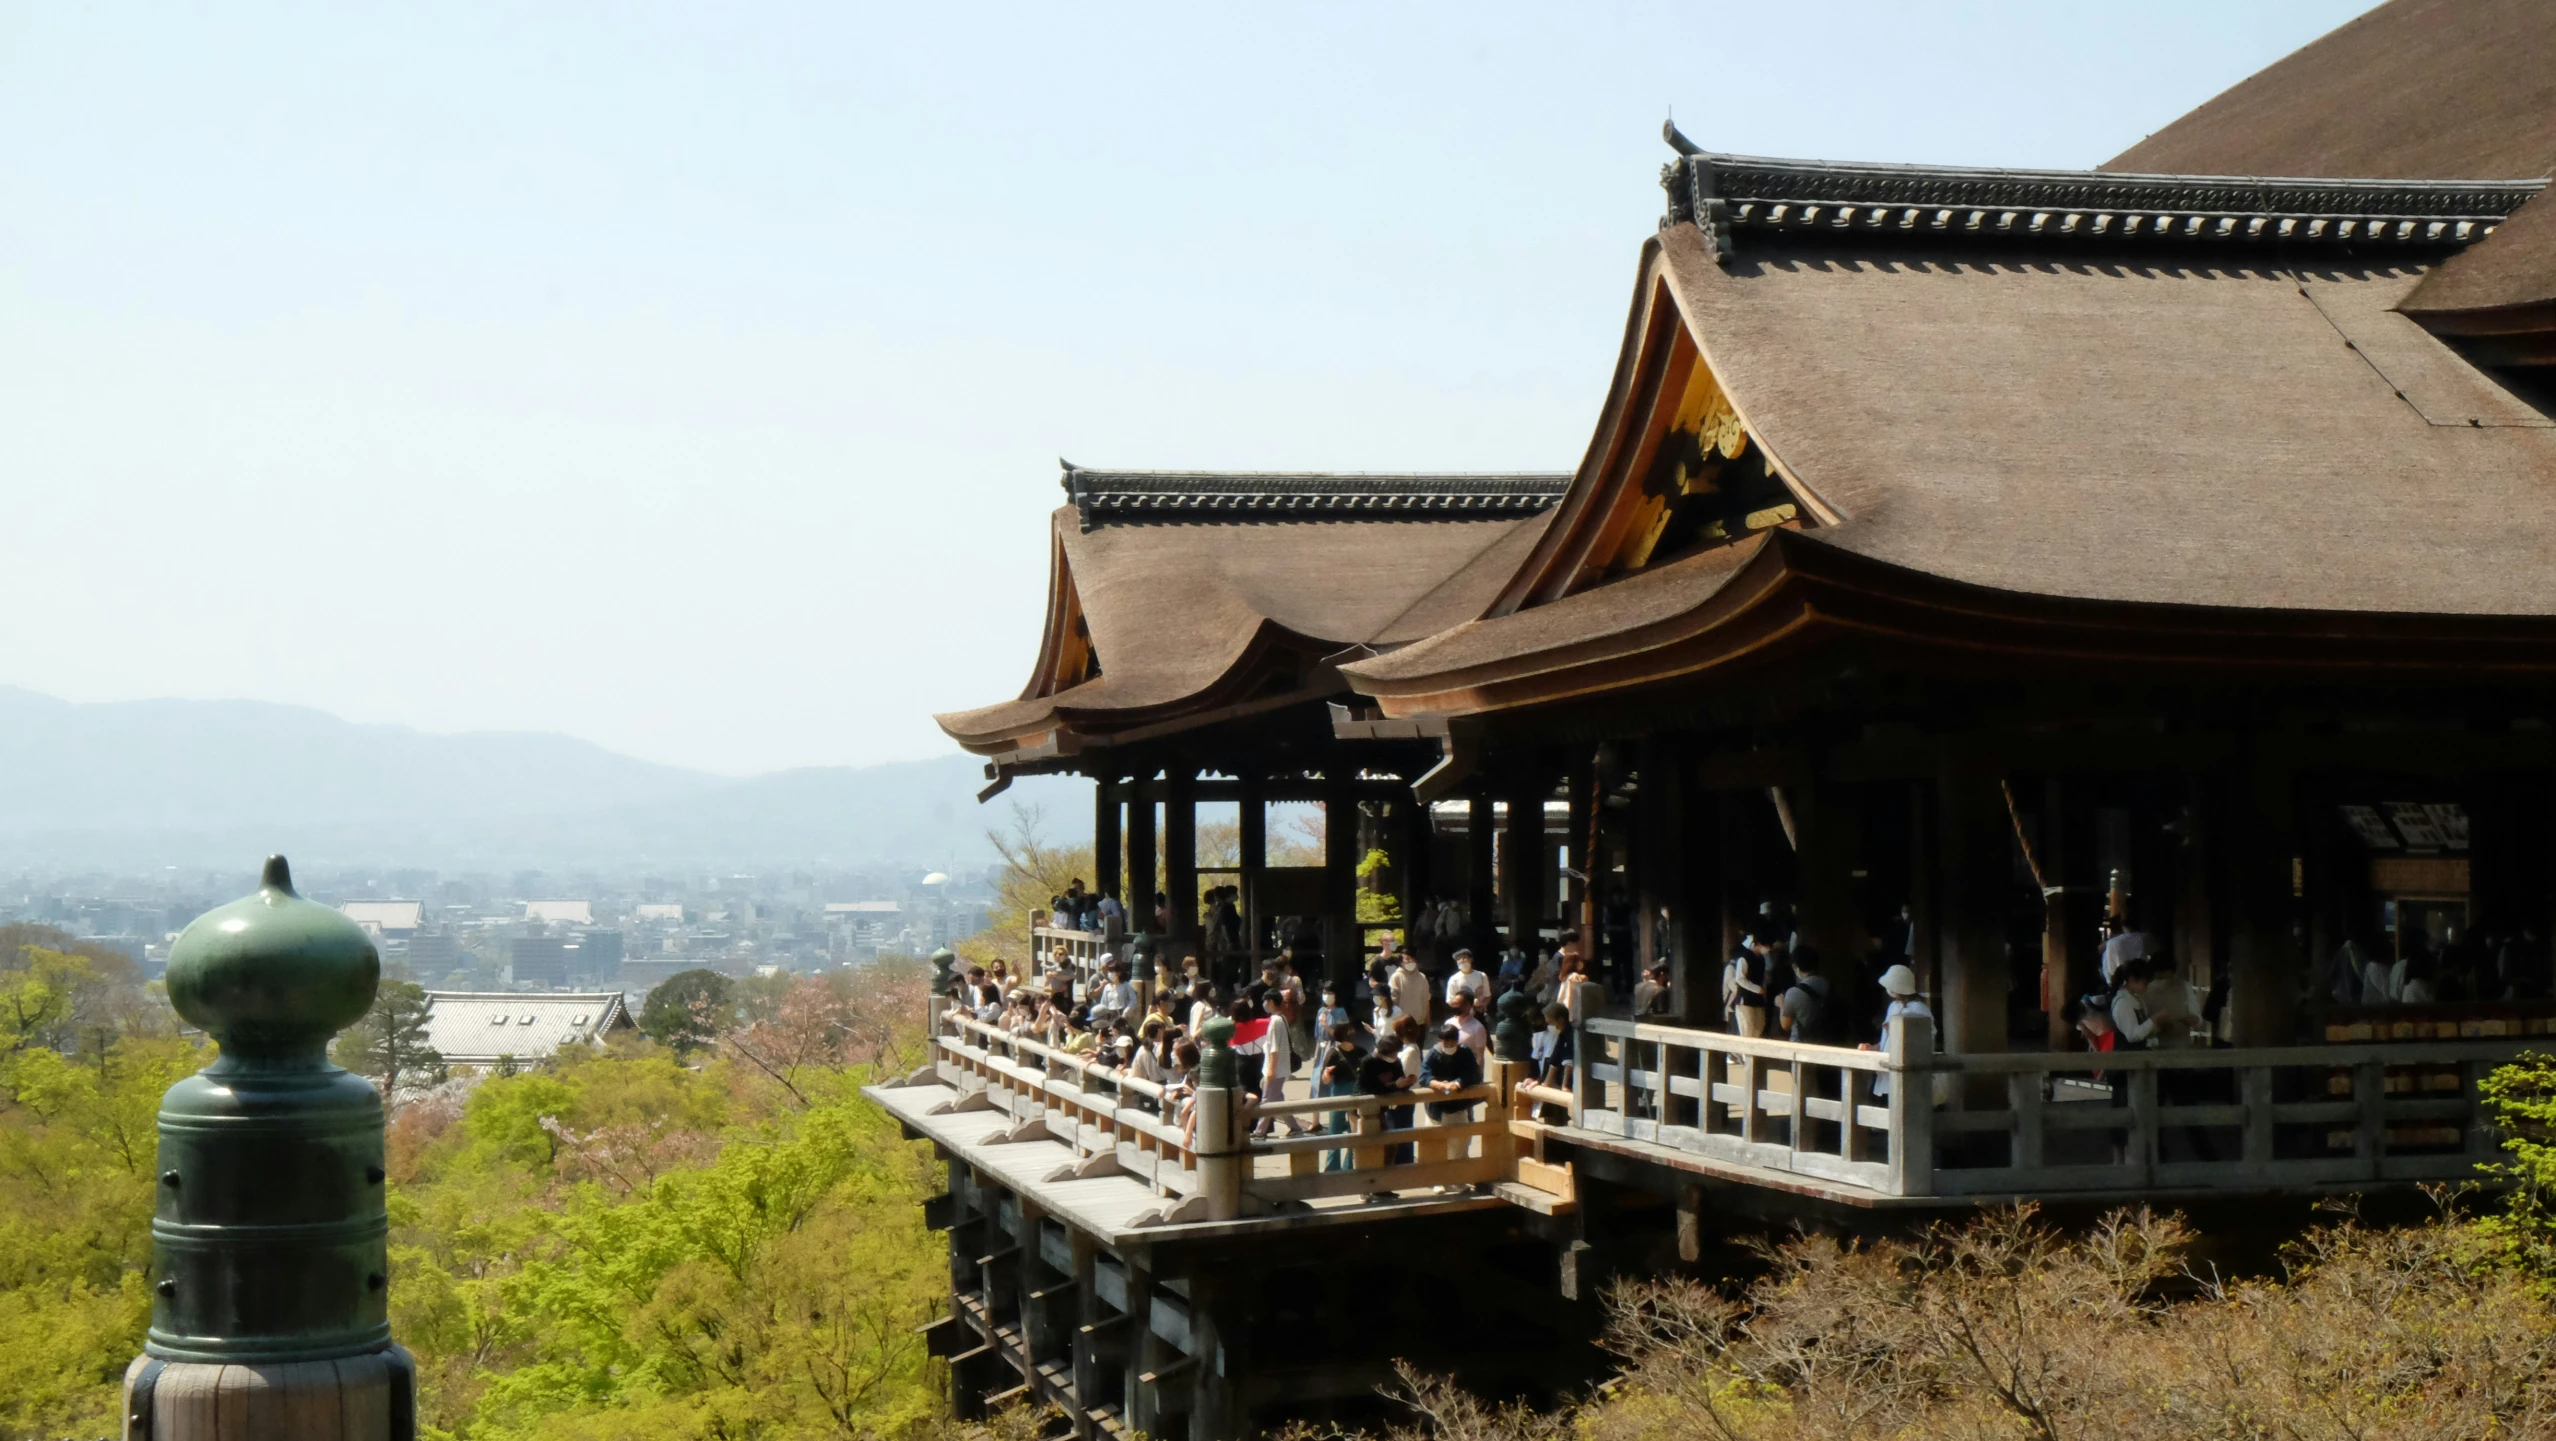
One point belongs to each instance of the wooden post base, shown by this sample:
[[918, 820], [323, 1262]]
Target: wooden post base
[[357, 1398]]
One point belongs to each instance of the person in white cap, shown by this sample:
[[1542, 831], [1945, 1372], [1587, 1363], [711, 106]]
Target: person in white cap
[[1900, 984]]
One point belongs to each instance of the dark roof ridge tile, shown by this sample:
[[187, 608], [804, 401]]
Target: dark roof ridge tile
[[1729, 194], [1157, 495]]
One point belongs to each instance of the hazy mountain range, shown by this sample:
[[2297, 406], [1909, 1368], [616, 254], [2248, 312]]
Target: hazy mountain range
[[181, 782]]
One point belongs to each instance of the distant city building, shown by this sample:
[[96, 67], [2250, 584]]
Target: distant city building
[[672, 913], [561, 913], [538, 960], [480, 1028], [432, 955], [594, 955], [393, 920]]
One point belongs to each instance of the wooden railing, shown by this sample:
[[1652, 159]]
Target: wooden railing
[[1904, 1121], [1083, 950], [1113, 1121], [1824, 1111], [1205, 1162]]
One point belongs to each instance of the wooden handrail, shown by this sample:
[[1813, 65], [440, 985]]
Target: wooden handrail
[[1364, 1104], [1692, 1039], [1080, 1064]]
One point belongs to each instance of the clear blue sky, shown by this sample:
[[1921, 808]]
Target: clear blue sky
[[691, 378]]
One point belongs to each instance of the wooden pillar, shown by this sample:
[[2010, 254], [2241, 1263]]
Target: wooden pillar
[[1141, 852], [1220, 1311], [1580, 852], [1522, 865], [1830, 826], [1975, 862], [2325, 908], [1655, 812], [1735, 813], [1180, 850], [1924, 888], [1342, 946], [2257, 866], [2071, 913], [1090, 1325], [1108, 860], [1147, 1354], [1412, 834], [2197, 914], [1252, 840], [1694, 831], [1482, 896]]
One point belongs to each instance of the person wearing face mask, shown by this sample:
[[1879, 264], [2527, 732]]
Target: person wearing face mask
[[1450, 1066], [1464, 980], [1410, 989]]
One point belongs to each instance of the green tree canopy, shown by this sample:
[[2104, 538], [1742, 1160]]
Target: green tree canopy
[[687, 1009]]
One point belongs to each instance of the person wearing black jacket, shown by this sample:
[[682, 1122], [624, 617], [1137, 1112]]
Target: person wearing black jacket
[[1451, 1066], [1337, 1067], [1381, 1074]]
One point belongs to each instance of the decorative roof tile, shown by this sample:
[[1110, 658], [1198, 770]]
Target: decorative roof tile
[[1105, 497], [1727, 195]]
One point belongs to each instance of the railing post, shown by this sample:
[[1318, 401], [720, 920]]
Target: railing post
[[1511, 1041], [1909, 1062], [2369, 1089], [1584, 1056], [1752, 1068], [2023, 1098], [270, 1304], [1221, 1166], [2254, 1090], [2141, 1145]]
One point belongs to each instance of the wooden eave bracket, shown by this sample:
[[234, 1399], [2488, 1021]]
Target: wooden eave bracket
[[1462, 753], [1185, 1211], [963, 1103], [1034, 1129], [1090, 1168]]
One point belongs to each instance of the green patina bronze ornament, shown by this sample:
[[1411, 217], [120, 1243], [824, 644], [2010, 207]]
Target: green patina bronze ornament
[[269, 1240], [944, 961], [1140, 958], [1513, 1038], [1216, 1053]]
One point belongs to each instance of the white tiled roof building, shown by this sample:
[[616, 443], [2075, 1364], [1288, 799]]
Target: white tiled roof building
[[476, 1028]]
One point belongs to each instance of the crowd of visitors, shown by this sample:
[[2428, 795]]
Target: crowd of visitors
[[1391, 1033], [2459, 966]]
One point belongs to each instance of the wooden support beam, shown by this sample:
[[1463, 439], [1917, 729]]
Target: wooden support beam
[[1693, 827], [1142, 880], [2257, 869], [1522, 865], [1976, 851], [1925, 882], [1413, 884], [1481, 879], [1108, 844], [1577, 900], [1180, 854], [1734, 813], [2071, 913], [1252, 836], [1342, 951], [1829, 820]]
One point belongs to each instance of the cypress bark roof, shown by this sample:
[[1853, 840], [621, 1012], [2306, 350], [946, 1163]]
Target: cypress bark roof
[[2438, 89], [1194, 595], [2168, 434]]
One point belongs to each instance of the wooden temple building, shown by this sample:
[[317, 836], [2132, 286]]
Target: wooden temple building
[[1963, 562]]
